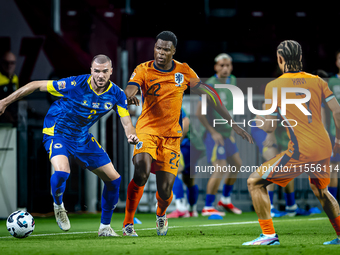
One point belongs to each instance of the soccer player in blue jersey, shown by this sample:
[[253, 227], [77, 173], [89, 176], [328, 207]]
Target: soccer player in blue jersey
[[83, 101]]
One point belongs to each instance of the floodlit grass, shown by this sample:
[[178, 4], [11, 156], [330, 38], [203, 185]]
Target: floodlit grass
[[298, 235]]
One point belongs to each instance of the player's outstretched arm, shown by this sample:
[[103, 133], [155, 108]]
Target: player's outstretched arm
[[215, 102], [335, 108], [22, 92], [130, 131], [130, 92]]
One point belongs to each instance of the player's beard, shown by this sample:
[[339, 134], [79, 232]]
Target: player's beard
[[100, 86]]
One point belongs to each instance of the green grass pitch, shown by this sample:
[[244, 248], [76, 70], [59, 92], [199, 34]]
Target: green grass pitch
[[298, 235]]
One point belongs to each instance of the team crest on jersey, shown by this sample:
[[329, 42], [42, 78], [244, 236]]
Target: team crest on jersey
[[179, 79], [85, 103], [73, 83], [61, 84], [139, 145], [57, 146], [108, 105], [95, 105]]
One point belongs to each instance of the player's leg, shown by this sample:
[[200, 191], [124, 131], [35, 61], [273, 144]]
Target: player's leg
[[192, 194], [257, 187], [331, 208], [110, 197], [319, 182], [59, 150], [58, 185], [272, 171], [212, 188], [235, 163], [92, 156], [142, 163], [333, 185], [178, 190], [164, 194]]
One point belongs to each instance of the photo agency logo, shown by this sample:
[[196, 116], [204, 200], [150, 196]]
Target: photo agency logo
[[302, 103]]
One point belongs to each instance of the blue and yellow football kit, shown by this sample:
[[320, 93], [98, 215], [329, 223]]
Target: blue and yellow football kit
[[67, 123]]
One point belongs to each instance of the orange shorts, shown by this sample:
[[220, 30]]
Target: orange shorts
[[282, 169], [164, 150]]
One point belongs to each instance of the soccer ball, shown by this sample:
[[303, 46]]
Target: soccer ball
[[20, 224]]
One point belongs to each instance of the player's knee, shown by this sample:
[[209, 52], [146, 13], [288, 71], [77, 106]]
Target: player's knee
[[253, 182], [141, 174]]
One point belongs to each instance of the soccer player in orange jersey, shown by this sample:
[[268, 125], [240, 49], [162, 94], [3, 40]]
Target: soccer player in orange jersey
[[162, 82], [309, 149]]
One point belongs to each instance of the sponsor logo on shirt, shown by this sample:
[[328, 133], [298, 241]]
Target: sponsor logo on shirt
[[57, 146], [132, 75]]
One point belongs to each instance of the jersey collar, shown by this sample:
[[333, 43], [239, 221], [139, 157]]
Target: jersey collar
[[165, 71], [89, 83]]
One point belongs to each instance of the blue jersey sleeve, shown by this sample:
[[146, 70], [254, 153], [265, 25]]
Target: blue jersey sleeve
[[121, 107], [62, 87]]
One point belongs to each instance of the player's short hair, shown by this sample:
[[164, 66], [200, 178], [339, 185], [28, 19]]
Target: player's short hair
[[101, 59], [291, 52], [168, 36], [223, 56]]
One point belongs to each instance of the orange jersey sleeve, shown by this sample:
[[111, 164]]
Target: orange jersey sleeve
[[162, 95], [308, 137]]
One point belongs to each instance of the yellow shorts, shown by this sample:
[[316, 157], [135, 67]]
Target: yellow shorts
[[164, 150], [282, 169]]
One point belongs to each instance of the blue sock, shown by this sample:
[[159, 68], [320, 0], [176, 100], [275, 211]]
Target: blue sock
[[227, 189], [333, 191], [192, 195], [209, 200], [177, 189], [271, 196], [58, 186], [290, 199], [109, 199]]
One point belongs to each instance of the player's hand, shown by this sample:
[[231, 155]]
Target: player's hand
[[133, 139], [218, 138], [2, 107], [244, 134], [133, 100], [336, 149]]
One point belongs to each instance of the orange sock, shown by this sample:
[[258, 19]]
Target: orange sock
[[336, 224], [267, 226], [163, 204], [134, 194]]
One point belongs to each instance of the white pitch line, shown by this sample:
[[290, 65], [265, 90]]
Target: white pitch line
[[193, 226]]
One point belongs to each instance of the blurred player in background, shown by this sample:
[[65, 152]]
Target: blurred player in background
[[309, 142], [334, 85], [162, 82], [84, 100], [9, 82], [221, 148], [192, 149]]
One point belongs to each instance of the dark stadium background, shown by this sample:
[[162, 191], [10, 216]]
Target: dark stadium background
[[249, 30]]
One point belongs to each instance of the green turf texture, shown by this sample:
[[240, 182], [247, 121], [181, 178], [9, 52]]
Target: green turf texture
[[298, 235]]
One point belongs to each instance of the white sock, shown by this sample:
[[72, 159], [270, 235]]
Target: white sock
[[181, 205], [271, 207], [193, 208], [103, 226], [272, 235], [225, 200], [293, 207]]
